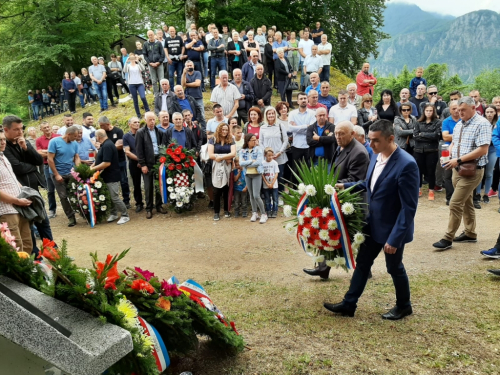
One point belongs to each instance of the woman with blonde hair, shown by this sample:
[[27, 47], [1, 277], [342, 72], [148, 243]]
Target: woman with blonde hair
[[367, 114]]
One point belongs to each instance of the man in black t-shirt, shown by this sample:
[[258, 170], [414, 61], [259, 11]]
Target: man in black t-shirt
[[174, 47], [316, 33], [106, 161], [115, 135]]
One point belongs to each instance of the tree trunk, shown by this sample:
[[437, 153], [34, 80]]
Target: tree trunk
[[192, 15]]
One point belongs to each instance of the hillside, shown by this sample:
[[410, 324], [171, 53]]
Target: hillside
[[467, 43]]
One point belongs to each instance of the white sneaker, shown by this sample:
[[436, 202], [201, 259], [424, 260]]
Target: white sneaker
[[255, 216], [263, 218], [112, 218], [280, 202], [123, 220]]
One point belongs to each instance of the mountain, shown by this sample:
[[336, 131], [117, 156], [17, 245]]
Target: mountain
[[468, 44]]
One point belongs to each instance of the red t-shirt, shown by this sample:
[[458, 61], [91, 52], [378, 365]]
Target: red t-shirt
[[480, 110], [253, 130], [42, 143], [319, 105]]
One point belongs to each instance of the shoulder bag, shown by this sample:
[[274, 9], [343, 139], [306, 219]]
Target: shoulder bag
[[467, 169], [292, 85]]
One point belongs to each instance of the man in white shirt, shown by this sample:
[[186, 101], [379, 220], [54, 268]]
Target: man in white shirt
[[227, 95], [325, 51], [343, 111], [67, 122], [214, 122], [312, 64], [305, 46], [79, 92]]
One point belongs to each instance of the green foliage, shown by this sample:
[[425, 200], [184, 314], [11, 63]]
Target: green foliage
[[488, 84]]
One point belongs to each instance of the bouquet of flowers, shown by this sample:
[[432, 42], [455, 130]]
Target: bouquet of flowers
[[89, 195], [327, 223], [175, 177]]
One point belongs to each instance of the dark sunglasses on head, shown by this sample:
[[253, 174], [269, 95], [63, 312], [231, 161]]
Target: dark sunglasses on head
[[433, 93], [406, 110]]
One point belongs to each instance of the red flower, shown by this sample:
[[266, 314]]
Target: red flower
[[177, 160], [192, 164], [171, 145], [190, 157], [112, 275], [169, 152], [140, 284], [186, 165], [179, 166], [307, 220], [163, 159], [183, 156], [334, 234], [171, 166], [48, 250], [178, 151], [316, 212]]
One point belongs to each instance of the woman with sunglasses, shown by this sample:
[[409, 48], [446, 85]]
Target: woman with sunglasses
[[403, 128], [427, 133], [366, 114]]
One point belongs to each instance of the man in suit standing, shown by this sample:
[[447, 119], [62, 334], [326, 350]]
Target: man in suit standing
[[350, 161], [392, 190]]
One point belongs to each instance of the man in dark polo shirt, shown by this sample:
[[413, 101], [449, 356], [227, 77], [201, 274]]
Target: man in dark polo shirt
[[133, 164], [115, 135], [107, 162], [316, 33]]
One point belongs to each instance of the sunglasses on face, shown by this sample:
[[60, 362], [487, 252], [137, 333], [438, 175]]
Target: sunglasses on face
[[433, 93], [368, 101], [406, 110]]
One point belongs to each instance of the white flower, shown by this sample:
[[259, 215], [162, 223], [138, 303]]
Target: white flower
[[333, 242], [102, 198], [332, 224], [348, 208], [287, 210], [183, 174], [170, 189], [84, 207], [310, 190], [359, 238], [325, 212], [307, 212], [339, 261], [328, 248], [80, 187], [177, 189], [186, 200], [319, 259], [94, 199], [73, 186], [104, 208], [331, 263], [323, 234], [290, 228], [306, 232], [315, 223], [169, 180], [329, 189], [301, 188], [73, 200], [98, 184], [317, 242], [301, 220], [179, 204], [182, 194], [173, 196]]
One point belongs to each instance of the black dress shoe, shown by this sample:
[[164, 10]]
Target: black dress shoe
[[396, 313], [442, 244], [339, 308], [463, 238], [477, 206], [149, 214], [161, 210], [317, 272], [495, 272], [139, 208]]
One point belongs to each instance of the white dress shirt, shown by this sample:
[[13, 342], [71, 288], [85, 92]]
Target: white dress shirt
[[379, 168]]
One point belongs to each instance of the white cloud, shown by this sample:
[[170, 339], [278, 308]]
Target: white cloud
[[453, 7]]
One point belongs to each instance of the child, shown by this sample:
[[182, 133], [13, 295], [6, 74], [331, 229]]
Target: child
[[418, 80], [53, 106], [240, 195], [270, 177], [238, 137]]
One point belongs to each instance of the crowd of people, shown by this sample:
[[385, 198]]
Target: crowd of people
[[248, 146]]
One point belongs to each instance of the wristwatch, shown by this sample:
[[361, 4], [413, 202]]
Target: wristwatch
[[459, 161]]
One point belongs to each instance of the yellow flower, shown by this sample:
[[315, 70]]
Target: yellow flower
[[129, 310], [186, 293]]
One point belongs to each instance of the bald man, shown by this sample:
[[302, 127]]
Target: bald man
[[314, 79]]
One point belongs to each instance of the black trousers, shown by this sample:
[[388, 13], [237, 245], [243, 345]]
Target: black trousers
[[285, 95], [71, 98], [298, 155], [270, 71], [426, 162], [109, 89], [218, 193], [114, 83], [135, 173], [497, 245], [242, 117], [150, 191], [448, 185]]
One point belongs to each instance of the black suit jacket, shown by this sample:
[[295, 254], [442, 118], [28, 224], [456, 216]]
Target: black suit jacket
[[280, 71], [144, 146], [158, 101], [243, 57], [174, 106], [352, 162], [24, 164], [328, 142]]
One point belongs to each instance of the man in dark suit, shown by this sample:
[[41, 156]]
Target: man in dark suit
[[321, 138], [392, 190], [162, 98], [350, 161]]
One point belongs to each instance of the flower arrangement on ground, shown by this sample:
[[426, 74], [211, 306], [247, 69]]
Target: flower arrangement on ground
[[327, 223], [89, 195], [175, 177]]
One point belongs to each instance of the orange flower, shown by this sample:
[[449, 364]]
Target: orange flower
[[164, 304], [23, 254], [112, 276], [48, 250], [140, 284], [95, 177]]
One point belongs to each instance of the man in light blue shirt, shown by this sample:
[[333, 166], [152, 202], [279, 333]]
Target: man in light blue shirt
[[213, 123], [84, 146], [313, 62], [279, 43]]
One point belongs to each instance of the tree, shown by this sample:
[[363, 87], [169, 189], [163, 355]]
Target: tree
[[488, 84]]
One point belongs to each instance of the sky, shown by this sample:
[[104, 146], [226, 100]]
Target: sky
[[453, 7]]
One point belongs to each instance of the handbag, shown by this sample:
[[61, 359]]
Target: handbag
[[292, 85], [467, 169]]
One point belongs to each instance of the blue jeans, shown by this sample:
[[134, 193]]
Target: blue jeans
[[302, 75], [43, 230], [50, 188], [176, 66], [82, 101], [488, 171], [124, 182], [205, 64], [216, 62], [37, 110], [102, 91], [138, 88], [268, 193]]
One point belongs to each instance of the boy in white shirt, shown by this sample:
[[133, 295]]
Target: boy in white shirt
[[270, 177]]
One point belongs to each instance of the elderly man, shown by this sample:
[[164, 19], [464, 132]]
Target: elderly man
[[432, 93], [217, 51], [279, 43], [97, 74], [419, 98], [325, 98], [471, 140], [147, 142], [67, 122], [359, 134], [115, 135], [154, 54], [262, 88], [183, 136], [181, 101], [62, 156], [312, 101], [133, 165], [312, 64], [353, 98], [365, 81], [248, 68], [247, 96], [42, 145], [164, 121], [343, 111], [197, 130], [9, 191], [226, 95], [174, 51], [315, 85], [161, 98], [321, 138], [405, 96], [325, 51], [160, 37], [107, 163], [84, 147], [192, 81]]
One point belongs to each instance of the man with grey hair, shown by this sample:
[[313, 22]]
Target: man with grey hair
[[325, 51], [107, 163], [246, 99], [312, 64], [133, 166], [62, 156], [248, 68], [181, 101], [353, 98], [85, 147], [226, 95], [432, 93], [359, 134], [154, 54], [279, 43], [161, 98], [469, 149], [405, 96], [97, 74], [314, 79], [262, 88]]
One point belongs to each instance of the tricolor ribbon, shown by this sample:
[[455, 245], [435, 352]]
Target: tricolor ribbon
[[159, 351], [198, 179], [345, 241], [163, 183], [300, 208], [91, 205]]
